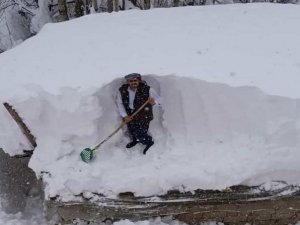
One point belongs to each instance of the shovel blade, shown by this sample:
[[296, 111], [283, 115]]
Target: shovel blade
[[87, 155]]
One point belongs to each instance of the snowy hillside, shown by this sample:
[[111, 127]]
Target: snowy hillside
[[228, 76]]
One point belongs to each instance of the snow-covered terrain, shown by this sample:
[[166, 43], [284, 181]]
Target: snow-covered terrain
[[228, 76]]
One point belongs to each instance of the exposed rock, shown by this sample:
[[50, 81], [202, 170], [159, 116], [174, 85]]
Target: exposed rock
[[18, 183]]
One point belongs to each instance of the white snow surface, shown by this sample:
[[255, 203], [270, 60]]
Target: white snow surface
[[228, 75]]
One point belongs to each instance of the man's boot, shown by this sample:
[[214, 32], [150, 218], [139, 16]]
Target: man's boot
[[131, 144], [147, 147]]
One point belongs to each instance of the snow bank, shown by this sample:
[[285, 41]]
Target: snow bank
[[230, 111], [207, 135]]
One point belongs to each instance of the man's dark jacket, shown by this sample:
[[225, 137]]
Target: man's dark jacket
[[141, 96]]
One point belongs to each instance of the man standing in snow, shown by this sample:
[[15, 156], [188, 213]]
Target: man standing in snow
[[130, 97]]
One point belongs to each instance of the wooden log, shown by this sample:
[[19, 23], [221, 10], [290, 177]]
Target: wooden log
[[25, 130]]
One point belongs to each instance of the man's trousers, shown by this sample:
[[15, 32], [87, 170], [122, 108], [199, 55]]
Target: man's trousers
[[139, 131]]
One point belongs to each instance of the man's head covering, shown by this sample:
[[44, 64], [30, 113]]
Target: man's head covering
[[133, 76]]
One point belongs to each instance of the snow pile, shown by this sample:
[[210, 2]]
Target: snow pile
[[225, 135], [230, 112]]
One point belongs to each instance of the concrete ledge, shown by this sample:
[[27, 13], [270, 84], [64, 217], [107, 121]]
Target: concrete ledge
[[225, 207]]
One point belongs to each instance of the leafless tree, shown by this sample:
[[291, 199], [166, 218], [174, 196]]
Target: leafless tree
[[176, 3], [95, 5], [79, 8], [63, 10], [24, 6], [147, 4], [110, 5], [116, 5], [15, 18], [87, 6]]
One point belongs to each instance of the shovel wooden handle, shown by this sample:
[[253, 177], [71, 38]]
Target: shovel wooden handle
[[120, 127]]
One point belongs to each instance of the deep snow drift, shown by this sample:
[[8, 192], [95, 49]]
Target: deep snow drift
[[230, 111]]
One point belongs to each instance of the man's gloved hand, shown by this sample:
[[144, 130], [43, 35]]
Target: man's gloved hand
[[127, 119]]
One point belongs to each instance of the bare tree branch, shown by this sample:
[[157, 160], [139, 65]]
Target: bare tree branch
[[18, 4], [27, 11], [7, 6], [8, 29]]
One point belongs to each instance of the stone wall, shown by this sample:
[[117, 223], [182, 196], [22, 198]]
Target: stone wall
[[226, 207]]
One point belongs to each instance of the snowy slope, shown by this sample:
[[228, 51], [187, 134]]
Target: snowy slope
[[228, 76]]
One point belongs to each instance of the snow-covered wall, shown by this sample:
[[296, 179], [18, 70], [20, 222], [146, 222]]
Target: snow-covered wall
[[207, 135]]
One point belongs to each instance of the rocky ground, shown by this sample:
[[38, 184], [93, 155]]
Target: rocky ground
[[18, 184]]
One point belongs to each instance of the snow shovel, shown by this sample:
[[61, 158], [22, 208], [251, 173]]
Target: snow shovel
[[88, 154]]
